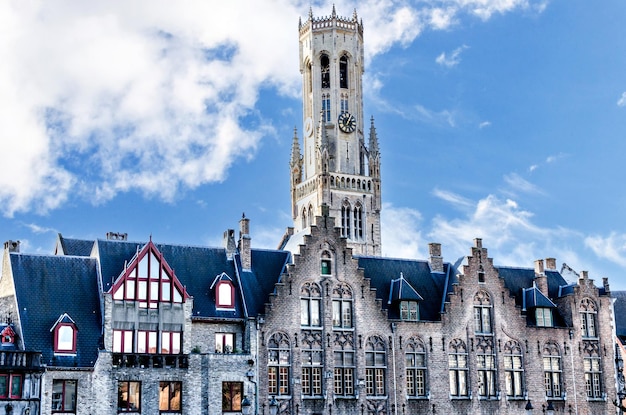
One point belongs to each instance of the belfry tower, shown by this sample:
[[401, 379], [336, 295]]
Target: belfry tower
[[336, 174]]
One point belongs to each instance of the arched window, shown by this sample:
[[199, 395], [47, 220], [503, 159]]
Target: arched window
[[312, 363], [310, 302], [486, 365], [375, 366], [593, 370], [358, 221], [343, 72], [310, 215], [309, 78], [457, 367], [588, 314], [345, 365], [342, 307], [513, 369], [304, 222], [415, 358], [325, 70], [482, 313], [279, 364], [64, 335], [552, 370], [345, 220]]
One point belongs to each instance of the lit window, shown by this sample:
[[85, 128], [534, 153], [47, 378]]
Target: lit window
[[63, 396], [128, 396], [224, 342], [375, 367], [310, 301], [513, 370], [415, 359], [170, 396], [457, 366], [543, 316], [279, 364], [232, 395]]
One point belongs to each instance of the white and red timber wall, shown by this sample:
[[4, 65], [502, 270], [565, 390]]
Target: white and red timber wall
[[322, 325]]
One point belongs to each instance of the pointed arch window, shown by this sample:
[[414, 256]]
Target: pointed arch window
[[343, 72], [486, 365], [375, 366], [310, 305], [325, 71], [593, 370], [457, 367], [552, 370], [513, 369], [304, 219], [358, 221], [482, 313], [342, 307], [345, 365], [310, 222], [416, 375], [312, 363], [588, 318], [346, 211], [279, 364]]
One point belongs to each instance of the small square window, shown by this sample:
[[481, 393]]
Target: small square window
[[325, 266]]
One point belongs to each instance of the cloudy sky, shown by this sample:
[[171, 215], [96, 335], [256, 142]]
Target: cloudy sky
[[498, 119]]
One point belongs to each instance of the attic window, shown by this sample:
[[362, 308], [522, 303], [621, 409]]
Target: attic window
[[544, 317], [65, 338], [409, 311], [8, 336], [225, 295]]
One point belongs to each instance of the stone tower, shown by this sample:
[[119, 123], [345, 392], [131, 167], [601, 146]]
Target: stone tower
[[337, 175]]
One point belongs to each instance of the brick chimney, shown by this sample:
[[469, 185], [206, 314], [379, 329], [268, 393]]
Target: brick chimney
[[436, 260], [12, 246], [551, 264], [244, 243], [229, 243], [540, 277]]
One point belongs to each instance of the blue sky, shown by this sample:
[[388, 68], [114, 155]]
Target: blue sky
[[498, 119]]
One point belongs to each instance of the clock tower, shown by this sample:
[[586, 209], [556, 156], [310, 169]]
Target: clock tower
[[335, 173]]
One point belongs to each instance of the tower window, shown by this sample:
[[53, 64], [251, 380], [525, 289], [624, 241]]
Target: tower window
[[344, 103], [345, 220], [343, 72], [325, 69], [326, 107]]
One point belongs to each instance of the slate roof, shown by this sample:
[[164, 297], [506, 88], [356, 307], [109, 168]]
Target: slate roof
[[516, 279], [620, 313], [432, 286], [47, 287], [533, 297], [76, 247]]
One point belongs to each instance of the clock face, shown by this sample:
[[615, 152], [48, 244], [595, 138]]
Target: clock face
[[308, 126], [347, 122]]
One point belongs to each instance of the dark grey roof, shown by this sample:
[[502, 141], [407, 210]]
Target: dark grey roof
[[401, 290], [76, 247], [620, 313], [533, 298], [47, 287], [516, 279]]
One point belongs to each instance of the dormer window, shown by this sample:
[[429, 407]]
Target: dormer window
[[409, 311], [543, 317], [64, 335], [7, 336], [224, 292]]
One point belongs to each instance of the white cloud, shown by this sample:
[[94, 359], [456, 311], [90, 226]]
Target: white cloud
[[518, 183], [612, 247], [454, 199], [484, 124], [98, 98], [452, 59], [401, 233], [621, 102]]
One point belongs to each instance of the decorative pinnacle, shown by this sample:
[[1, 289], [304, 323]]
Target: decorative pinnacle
[[334, 12], [295, 148], [354, 16], [373, 145]]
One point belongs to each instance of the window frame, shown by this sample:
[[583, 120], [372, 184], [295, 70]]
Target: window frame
[[230, 403], [540, 317], [63, 400], [593, 377], [343, 373], [137, 393], [458, 370], [483, 320], [12, 379], [311, 305], [58, 338], [514, 376], [225, 295], [166, 387], [375, 367], [552, 369], [409, 310], [416, 367], [220, 346], [279, 365]]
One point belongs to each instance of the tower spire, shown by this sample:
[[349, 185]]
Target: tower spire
[[373, 144], [296, 157]]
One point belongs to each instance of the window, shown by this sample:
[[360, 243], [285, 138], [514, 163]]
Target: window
[[415, 359], [128, 396], [312, 363], [513, 370], [123, 341], [171, 342], [552, 370], [325, 71], [346, 231], [225, 295], [588, 313], [342, 307], [409, 310], [482, 313], [326, 107], [304, 222], [486, 365], [457, 366], [224, 342], [310, 301], [543, 317], [358, 221], [232, 395], [10, 386], [375, 366], [64, 396], [170, 396], [279, 361], [344, 103], [593, 371], [147, 341], [326, 264], [344, 372], [343, 72]]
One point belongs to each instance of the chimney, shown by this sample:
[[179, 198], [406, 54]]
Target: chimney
[[540, 277], [117, 236], [436, 260], [551, 264], [229, 243], [12, 246], [605, 283], [244, 243]]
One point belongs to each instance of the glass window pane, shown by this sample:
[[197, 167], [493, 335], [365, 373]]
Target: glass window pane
[[315, 312], [166, 291], [70, 395], [143, 267], [154, 267], [304, 312]]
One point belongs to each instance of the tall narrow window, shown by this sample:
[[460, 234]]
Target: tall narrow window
[[10, 386], [345, 220], [232, 395], [279, 364], [457, 366], [343, 72], [63, 396], [486, 365], [304, 220], [342, 307], [312, 363], [415, 358], [358, 221], [588, 314], [375, 366], [325, 71], [344, 103], [170, 396], [326, 107], [128, 396], [310, 301], [345, 366], [513, 370], [482, 313], [593, 370], [552, 370]]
